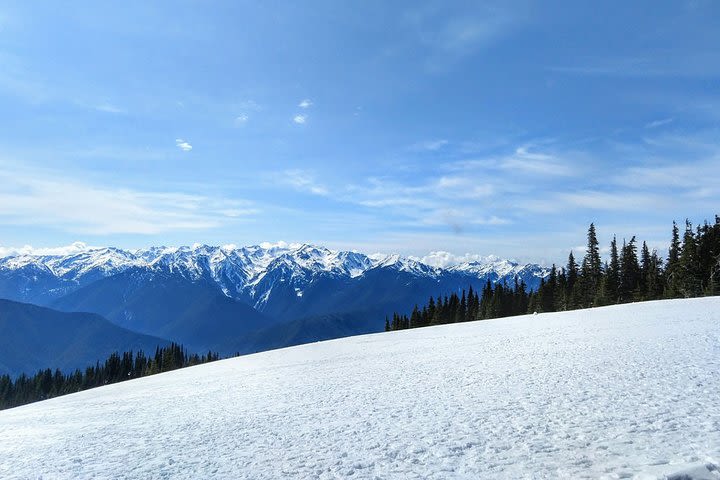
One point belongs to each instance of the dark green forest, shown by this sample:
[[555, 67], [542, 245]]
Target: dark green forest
[[117, 368], [632, 273]]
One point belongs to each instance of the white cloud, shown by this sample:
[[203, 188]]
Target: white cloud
[[40, 197], [611, 201], [109, 108], [21, 80], [249, 105], [462, 187], [691, 175], [470, 194], [446, 259], [431, 203], [535, 163], [245, 109], [73, 248], [529, 160], [676, 63], [238, 212], [449, 37], [300, 180], [306, 103], [659, 123], [280, 244], [300, 119], [183, 145], [429, 145], [686, 165]]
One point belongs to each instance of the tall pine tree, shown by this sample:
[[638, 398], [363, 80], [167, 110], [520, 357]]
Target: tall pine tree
[[689, 283], [591, 268], [671, 276], [573, 284]]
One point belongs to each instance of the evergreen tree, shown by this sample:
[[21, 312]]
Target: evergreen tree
[[654, 280], [547, 291], [571, 283], [688, 282], [709, 253], [693, 268], [629, 272], [645, 269], [591, 268], [461, 314], [611, 285], [672, 263], [116, 368], [708, 257]]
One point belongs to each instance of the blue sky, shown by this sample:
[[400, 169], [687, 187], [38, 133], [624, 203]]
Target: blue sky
[[411, 127]]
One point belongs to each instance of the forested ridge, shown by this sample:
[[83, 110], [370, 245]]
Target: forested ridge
[[691, 269], [116, 368]]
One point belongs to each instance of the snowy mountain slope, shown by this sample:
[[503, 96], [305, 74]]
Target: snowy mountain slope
[[627, 391]]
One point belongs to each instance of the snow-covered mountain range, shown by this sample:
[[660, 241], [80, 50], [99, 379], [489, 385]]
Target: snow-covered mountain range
[[240, 299], [245, 273]]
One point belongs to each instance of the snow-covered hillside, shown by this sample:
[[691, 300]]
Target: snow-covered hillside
[[630, 391]]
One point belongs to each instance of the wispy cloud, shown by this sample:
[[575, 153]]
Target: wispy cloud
[[300, 180], [436, 203], [183, 145], [245, 109], [659, 123], [428, 145], [461, 187], [40, 197], [677, 63], [611, 200], [551, 178], [248, 106], [445, 259], [17, 81], [530, 159], [532, 162], [73, 248], [21, 81], [238, 212], [300, 119], [109, 108], [449, 35], [469, 194], [306, 103], [683, 178]]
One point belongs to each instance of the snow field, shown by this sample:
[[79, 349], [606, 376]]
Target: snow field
[[630, 391]]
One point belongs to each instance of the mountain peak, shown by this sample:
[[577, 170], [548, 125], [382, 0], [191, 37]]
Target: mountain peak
[[245, 273]]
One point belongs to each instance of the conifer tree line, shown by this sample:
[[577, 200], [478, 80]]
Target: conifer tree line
[[632, 273], [117, 368]]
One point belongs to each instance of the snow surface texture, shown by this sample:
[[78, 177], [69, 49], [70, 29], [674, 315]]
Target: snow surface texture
[[629, 391]]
